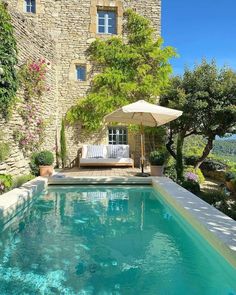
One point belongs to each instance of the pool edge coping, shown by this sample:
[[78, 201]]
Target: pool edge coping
[[214, 226], [17, 199]]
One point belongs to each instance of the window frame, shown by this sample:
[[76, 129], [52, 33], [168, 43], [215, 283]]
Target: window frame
[[77, 66], [31, 5], [107, 17], [118, 135]]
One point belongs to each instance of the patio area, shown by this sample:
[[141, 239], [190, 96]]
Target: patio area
[[101, 172]]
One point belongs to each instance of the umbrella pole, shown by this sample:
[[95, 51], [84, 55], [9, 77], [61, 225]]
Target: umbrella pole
[[142, 150], [142, 174]]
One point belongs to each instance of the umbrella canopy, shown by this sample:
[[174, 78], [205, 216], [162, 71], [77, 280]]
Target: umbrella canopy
[[143, 113]]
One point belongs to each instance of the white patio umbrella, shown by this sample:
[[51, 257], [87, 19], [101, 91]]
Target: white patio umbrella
[[144, 114]]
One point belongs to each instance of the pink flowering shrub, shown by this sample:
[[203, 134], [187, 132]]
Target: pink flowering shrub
[[32, 76], [191, 176], [30, 134]]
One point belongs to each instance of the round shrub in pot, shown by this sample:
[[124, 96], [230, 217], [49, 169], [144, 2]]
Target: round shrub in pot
[[45, 160], [157, 160]]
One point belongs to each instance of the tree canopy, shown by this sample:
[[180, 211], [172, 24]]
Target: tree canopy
[[207, 97], [130, 68]]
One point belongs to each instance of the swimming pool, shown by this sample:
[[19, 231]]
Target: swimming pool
[[108, 240]]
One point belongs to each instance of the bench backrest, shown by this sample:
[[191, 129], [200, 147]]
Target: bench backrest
[[105, 151]]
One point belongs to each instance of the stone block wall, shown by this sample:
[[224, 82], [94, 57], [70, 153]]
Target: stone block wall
[[32, 43], [61, 31]]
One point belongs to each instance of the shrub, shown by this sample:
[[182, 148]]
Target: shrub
[[170, 168], [4, 151], [157, 158], [198, 172], [33, 166], [63, 144], [191, 182], [191, 186], [5, 183], [230, 176], [190, 160], [212, 196], [20, 180], [44, 158], [220, 200], [212, 165], [4, 148], [233, 181], [170, 171]]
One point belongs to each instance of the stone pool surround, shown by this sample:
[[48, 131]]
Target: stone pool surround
[[217, 228]]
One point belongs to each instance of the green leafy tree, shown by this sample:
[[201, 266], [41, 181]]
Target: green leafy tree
[[207, 97], [8, 62], [63, 144], [131, 68]]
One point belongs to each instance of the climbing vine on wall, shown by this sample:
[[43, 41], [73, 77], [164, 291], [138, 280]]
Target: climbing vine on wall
[[8, 62], [32, 77]]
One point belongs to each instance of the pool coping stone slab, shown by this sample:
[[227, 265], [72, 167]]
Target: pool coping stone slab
[[216, 227], [19, 198]]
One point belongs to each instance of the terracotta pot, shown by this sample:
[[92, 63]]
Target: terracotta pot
[[230, 186], [46, 170], [157, 170]]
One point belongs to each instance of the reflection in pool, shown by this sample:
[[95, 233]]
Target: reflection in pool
[[107, 240]]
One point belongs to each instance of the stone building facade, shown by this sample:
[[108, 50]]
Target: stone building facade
[[61, 31]]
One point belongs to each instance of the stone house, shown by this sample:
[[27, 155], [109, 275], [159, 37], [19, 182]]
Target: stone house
[[61, 31]]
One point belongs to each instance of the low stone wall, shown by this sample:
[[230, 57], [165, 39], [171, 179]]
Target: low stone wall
[[216, 175], [17, 199]]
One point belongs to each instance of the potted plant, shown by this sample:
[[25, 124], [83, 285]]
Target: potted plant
[[45, 160], [157, 160]]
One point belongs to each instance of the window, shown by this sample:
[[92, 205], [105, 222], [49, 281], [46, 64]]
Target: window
[[117, 135], [30, 6], [81, 73], [106, 22]]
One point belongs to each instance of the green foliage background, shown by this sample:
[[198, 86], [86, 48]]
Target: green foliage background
[[8, 62], [63, 144], [207, 97], [131, 68]]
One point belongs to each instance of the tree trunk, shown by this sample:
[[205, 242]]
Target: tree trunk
[[169, 145], [206, 151], [179, 156]]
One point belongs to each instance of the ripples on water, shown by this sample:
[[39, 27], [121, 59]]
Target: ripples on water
[[107, 240]]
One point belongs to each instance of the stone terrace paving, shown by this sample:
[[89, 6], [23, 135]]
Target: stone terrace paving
[[101, 171]]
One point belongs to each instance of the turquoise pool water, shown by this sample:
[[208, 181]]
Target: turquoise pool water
[[108, 240]]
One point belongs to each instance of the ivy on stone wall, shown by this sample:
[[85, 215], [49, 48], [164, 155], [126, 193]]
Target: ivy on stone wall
[[8, 62], [132, 68]]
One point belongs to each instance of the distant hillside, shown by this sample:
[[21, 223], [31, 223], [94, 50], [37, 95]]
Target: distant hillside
[[225, 147], [232, 137]]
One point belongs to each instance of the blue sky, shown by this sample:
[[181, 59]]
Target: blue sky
[[200, 28]]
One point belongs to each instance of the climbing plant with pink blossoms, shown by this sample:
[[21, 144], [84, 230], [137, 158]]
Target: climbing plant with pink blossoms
[[32, 77]]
